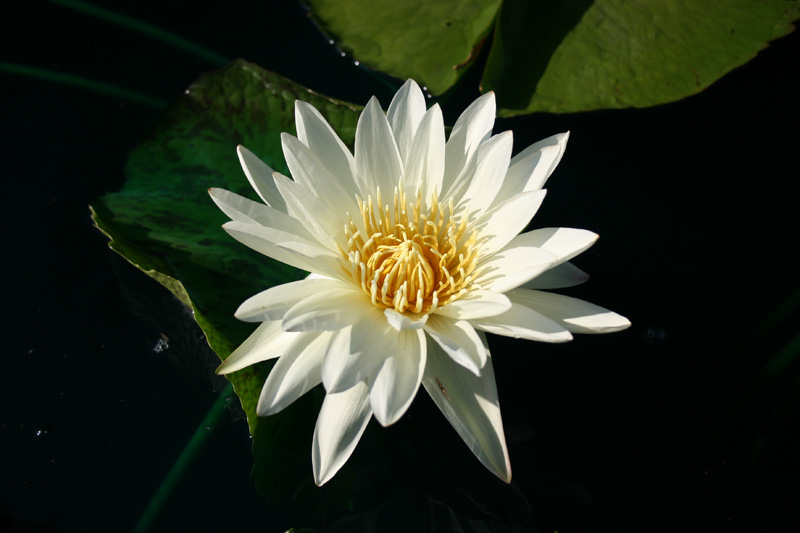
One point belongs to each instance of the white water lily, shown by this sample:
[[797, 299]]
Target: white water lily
[[414, 248]]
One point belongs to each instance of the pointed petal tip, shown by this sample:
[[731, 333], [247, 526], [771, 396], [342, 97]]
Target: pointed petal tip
[[320, 478], [222, 369], [266, 409], [385, 421]]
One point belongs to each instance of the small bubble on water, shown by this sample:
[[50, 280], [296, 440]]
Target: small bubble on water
[[161, 344]]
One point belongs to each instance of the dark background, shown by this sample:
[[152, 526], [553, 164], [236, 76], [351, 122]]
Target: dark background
[[680, 423]]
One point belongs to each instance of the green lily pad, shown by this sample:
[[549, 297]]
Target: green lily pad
[[564, 56], [431, 42], [578, 56], [164, 222]]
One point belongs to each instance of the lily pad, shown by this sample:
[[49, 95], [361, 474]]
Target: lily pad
[[164, 222], [578, 56], [431, 42], [561, 57]]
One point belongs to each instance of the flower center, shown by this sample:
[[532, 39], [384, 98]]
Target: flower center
[[414, 258]]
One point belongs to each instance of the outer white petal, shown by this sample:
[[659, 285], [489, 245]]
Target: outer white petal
[[273, 303], [328, 310], [241, 209], [558, 277], [573, 314], [404, 115], [315, 132], [394, 385], [530, 168], [311, 172], [296, 372], [565, 243], [472, 127], [378, 163], [356, 351], [259, 174], [522, 322], [268, 341], [470, 403], [315, 215], [285, 247], [342, 420], [424, 167], [512, 266], [491, 164], [238, 207], [504, 221], [475, 304], [459, 340]]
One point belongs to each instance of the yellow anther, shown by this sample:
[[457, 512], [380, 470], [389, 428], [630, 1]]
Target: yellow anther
[[416, 258]]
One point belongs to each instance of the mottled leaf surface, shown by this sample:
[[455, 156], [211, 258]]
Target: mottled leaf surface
[[164, 222]]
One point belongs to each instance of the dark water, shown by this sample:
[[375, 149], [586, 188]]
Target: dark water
[[681, 423]]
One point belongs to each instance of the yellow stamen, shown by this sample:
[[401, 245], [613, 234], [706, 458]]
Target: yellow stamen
[[415, 258]]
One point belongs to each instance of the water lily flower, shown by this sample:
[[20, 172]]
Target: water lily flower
[[414, 251]]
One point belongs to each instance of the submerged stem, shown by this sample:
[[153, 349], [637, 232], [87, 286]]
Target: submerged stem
[[183, 462], [147, 29]]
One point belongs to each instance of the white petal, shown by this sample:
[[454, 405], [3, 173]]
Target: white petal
[[512, 266], [491, 164], [470, 404], [341, 422], [237, 207], [424, 167], [558, 277], [522, 322], [296, 372], [575, 315], [267, 342], [395, 384], [377, 159], [472, 127], [328, 310], [316, 216], [404, 115], [459, 340], [241, 209], [475, 304], [259, 174], [530, 168], [504, 221], [315, 132], [310, 172], [356, 351], [273, 303], [402, 321], [565, 243], [286, 247]]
